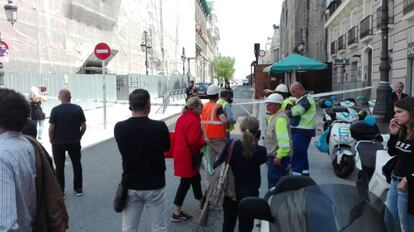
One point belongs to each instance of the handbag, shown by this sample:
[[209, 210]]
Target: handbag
[[121, 196], [389, 167]]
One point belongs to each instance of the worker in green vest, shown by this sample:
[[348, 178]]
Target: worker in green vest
[[224, 102]]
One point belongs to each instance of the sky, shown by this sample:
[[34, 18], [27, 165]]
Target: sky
[[243, 23]]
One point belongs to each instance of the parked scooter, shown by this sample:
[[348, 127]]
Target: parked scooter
[[370, 156], [339, 139], [299, 204]]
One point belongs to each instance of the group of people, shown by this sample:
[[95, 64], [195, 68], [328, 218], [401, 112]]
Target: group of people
[[201, 130]]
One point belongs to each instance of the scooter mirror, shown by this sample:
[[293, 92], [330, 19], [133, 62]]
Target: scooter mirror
[[257, 208]]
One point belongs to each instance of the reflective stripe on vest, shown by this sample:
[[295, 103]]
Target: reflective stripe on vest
[[307, 118], [211, 124]]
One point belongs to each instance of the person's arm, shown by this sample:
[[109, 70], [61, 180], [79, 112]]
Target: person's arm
[[165, 137], [283, 139], [221, 115], [392, 151], [300, 108], [195, 137], [222, 156], [52, 127], [261, 155], [8, 206], [229, 114], [82, 129]]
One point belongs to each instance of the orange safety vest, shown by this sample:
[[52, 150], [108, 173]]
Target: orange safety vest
[[212, 126]]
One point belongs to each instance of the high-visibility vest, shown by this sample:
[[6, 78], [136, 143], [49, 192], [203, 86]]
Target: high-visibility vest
[[211, 124], [277, 136], [225, 104], [308, 117]]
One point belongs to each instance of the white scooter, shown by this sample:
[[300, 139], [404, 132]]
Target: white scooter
[[341, 144]]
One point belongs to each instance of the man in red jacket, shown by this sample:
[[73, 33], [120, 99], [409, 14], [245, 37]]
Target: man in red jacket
[[188, 143]]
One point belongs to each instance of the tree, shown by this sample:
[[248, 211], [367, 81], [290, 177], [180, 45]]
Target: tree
[[223, 67]]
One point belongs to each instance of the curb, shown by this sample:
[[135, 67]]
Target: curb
[[111, 137]]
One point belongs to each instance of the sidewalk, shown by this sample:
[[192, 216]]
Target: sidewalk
[[95, 132]]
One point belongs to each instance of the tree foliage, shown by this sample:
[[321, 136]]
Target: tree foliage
[[223, 67]]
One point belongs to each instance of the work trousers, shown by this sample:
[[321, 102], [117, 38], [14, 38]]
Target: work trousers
[[184, 186], [74, 151], [299, 161], [274, 173]]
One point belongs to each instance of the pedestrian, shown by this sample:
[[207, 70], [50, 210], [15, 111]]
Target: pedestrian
[[67, 126], [17, 165], [231, 94], [189, 90], [225, 104], [398, 94], [36, 114], [303, 132], [142, 143], [187, 156], [214, 123], [277, 140], [245, 164], [400, 199]]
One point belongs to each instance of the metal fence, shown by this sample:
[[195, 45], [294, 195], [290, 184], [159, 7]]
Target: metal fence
[[87, 90]]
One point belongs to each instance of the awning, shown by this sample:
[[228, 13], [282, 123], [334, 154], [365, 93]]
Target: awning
[[296, 63]]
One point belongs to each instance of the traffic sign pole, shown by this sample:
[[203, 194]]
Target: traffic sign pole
[[104, 92], [102, 52]]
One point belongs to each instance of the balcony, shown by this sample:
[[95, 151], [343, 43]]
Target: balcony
[[408, 6], [353, 36], [341, 43], [379, 15], [333, 48], [333, 6], [365, 26]]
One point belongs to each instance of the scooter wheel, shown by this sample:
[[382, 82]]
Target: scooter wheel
[[345, 167]]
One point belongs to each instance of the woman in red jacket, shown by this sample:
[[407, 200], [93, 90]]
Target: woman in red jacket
[[188, 143]]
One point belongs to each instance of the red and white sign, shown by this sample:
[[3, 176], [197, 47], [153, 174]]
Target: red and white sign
[[102, 51], [4, 48], [262, 53]]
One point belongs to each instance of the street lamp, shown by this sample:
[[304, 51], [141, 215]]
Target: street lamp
[[11, 12], [146, 47], [383, 105], [183, 58]]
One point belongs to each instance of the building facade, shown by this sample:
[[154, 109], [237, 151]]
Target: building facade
[[302, 29], [354, 43], [59, 36], [272, 48]]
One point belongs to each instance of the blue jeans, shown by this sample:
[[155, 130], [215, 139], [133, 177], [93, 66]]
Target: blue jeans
[[300, 164], [397, 217], [274, 173]]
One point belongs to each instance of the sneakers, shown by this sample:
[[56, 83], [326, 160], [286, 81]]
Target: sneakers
[[181, 218], [78, 193]]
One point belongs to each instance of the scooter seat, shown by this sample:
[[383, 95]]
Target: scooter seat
[[367, 152]]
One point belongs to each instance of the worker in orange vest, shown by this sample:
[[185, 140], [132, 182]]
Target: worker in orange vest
[[214, 124]]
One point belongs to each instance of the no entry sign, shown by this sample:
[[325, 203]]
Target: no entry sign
[[4, 48], [102, 51]]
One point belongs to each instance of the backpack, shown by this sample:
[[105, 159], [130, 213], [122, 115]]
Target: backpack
[[51, 215]]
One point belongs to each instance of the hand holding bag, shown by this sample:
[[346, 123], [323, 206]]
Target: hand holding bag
[[121, 196]]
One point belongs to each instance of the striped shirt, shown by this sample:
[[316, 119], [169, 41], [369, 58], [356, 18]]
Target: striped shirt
[[17, 183]]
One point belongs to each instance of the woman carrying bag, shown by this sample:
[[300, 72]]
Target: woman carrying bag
[[187, 157], [400, 199], [245, 161], [36, 113]]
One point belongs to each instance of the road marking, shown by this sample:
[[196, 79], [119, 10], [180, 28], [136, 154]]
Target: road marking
[[246, 110]]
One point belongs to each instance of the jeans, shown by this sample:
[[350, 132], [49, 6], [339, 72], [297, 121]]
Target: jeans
[[39, 128], [184, 186], [153, 201], [274, 173], [300, 164], [397, 217], [231, 212], [74, 151]]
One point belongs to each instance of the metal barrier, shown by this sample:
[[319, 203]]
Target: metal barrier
[[175, 95]]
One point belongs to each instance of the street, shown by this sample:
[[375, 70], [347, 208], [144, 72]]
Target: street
[[102, 173]]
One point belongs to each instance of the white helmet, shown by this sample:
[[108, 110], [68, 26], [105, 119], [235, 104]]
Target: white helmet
[[213, 89], [282, 88], [275, 98]]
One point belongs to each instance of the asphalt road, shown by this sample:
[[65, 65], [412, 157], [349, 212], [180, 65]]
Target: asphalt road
[[102, 173]]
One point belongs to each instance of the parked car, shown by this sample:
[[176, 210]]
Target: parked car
[[246, 82], [202, 89]]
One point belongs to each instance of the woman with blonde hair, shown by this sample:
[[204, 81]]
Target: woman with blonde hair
[[36, 113], [187, 158], [245, 164]]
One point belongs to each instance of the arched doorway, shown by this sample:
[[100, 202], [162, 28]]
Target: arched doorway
[[367, 70]]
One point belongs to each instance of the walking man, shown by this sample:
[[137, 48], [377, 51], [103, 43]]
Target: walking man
[[17, 165], [142, 143], [303, 132], [67, 126], [277, 140]]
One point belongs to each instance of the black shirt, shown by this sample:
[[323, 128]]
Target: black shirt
[[68, 119], [246, 171], [404, 149], [142, 143]]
